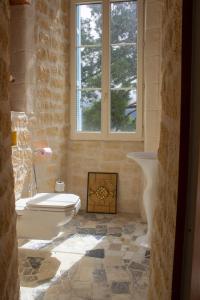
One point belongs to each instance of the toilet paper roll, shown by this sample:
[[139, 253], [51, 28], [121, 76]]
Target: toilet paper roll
[[59, 186]]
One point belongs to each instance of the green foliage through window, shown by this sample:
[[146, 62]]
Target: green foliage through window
[[123, 66]]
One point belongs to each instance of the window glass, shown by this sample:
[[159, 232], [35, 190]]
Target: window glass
[[123, 110], [89, 24], [89, 110], [123, 68], [89, 70], [89, 67], [123, 22], [105, 85]]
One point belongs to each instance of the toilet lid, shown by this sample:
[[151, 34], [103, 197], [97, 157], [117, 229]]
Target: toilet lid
[[53, 201]]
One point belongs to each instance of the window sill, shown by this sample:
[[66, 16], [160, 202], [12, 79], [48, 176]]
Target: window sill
[[119, 137]]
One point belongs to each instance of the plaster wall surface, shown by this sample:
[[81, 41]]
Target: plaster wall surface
[[9, 289]]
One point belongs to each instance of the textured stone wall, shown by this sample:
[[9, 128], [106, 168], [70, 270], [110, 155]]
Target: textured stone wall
[[72, 160], [165, 211], [152, 74], [22, 155], [52, 89], [8, 243], [99, 156], [22, 50], [22, 92]]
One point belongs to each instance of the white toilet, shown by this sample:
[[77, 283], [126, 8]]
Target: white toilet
[[42, 216]]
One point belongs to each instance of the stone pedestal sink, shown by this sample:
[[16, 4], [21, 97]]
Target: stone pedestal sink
[[149, 164]]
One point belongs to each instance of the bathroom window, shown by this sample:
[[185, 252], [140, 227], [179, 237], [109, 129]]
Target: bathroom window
[[106, 69]]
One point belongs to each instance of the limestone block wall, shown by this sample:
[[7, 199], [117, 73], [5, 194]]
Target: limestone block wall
[[99, 156], [9, 289], [22, 50], [52, 89], [22, 155], [102, 156], [152, 74], [72, 160], [130, 177], [165, 210], [39, 64], [50, 54]]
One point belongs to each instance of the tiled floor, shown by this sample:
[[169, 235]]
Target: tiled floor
[[95, 259]]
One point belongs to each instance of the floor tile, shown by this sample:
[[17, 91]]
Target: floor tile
[[97, 259], [120, 287], [98, 253], [78, 243]]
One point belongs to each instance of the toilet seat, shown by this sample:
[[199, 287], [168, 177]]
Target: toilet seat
[[48, 202], [53, 202], [42, 216]]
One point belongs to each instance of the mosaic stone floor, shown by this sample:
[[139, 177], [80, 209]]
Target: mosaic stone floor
[[96, 258]]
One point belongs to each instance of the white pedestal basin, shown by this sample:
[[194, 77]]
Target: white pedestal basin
[[149, 164]]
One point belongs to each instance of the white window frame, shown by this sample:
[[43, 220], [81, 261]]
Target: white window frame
[[105, 133]]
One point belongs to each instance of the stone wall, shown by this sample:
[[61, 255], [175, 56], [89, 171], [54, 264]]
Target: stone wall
[[48, 47], [9, 289], [39, 64], [165, 211], [52, 89], [102, 156], [99, 156], [72, 160], [22, 93], [22, 50], [22, 156], [152, 74]]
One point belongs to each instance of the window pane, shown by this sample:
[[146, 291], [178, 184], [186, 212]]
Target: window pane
[[123, 110], [89, 110], [89, 67], [124, 22], [123, 69], [89, 24], [123, 66]]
